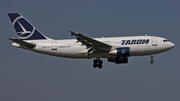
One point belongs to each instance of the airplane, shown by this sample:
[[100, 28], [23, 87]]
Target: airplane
[[115, 49]]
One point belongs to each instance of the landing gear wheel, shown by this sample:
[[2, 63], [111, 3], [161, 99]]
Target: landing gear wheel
[[97, 63], [94, 65], [100, 66], [100, 62], [151, 61]]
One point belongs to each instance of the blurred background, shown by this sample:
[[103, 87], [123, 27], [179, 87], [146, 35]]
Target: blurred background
[[29, 76]]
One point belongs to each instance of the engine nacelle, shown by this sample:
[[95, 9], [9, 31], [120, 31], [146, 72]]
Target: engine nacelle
[[118, 60], [121, 52]]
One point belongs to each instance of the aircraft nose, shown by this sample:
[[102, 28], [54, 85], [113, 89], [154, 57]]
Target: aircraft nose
[[172, 45]]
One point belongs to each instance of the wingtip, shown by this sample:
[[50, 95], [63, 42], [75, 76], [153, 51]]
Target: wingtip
[[72, 33]]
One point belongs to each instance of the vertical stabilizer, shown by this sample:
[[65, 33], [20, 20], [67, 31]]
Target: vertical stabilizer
[[24, 29]]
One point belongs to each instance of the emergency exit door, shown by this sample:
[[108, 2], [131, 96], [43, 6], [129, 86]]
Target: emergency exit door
[[154, 41], [54, 45]]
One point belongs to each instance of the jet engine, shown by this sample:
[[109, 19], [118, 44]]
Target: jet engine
[[118, 60], [121, 52]]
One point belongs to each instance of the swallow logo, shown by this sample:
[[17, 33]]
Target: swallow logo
[[24, 34], [24, 29]]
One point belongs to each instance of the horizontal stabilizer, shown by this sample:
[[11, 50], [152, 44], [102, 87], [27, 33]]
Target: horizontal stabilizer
[[23, 43]]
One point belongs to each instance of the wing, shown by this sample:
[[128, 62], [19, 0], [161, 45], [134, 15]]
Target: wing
[[91, 43]]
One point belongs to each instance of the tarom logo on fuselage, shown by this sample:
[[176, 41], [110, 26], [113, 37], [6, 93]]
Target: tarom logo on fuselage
[[133, 42]]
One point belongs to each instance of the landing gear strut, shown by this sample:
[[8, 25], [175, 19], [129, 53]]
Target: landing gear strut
[[152, 60], [97, 63]]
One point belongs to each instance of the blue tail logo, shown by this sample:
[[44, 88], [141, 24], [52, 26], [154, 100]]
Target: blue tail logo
[[24, 29]]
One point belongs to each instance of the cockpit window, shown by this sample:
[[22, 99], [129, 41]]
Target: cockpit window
[[165, 40]]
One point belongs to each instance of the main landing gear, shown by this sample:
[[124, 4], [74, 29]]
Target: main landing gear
[[97, 63], [152, 60]]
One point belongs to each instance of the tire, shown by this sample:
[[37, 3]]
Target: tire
[[95, 61], [151, 61], [94, 65], [99, 66], [100, 62]]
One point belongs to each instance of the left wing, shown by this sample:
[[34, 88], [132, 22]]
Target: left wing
[[91, 43]]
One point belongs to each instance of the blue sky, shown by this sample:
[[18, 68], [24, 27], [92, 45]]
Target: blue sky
[[27, 76]]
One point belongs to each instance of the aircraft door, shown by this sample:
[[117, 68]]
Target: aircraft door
[[54, 45], [154, 41]]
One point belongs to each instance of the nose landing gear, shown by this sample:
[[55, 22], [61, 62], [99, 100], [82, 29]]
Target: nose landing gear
[[97, 63], [152, 60]]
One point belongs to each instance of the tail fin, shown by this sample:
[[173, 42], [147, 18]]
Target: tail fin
[[24, 29]]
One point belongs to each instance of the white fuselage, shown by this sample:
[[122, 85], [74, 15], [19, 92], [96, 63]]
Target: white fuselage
[[70, 48]]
